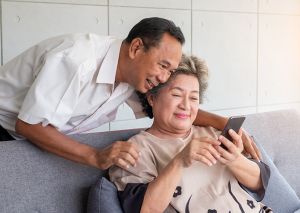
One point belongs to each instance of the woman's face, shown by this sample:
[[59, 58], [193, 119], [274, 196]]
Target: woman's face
[[176, 105]]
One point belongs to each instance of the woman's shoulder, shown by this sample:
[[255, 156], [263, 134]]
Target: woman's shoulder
[[140, 138]]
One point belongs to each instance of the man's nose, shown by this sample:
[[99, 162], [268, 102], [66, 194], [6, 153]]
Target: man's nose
[[164, 76]]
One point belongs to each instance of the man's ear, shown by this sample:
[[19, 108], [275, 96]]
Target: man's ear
[[150, 99], [135, 47]]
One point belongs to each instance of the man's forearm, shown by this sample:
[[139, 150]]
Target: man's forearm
[[50, 139], [205, 118]]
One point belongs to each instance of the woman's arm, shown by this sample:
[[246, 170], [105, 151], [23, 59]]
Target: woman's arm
[[160, 191], [245, 171]]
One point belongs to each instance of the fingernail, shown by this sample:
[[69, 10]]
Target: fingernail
[[209, 164], [127, 166]]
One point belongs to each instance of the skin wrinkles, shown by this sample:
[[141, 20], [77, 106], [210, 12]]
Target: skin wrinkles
[[150, 67], [177, 106]]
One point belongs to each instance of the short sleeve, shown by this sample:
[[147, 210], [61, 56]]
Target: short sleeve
[[54, 93], [132, 183], [144, 172]]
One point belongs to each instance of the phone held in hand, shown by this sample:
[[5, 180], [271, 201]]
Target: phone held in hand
[[234, 123]]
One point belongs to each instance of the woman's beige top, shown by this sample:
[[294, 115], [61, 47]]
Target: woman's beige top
[[201, 188]]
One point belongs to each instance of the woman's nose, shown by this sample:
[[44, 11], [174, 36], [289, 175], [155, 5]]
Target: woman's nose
[[185, 104]]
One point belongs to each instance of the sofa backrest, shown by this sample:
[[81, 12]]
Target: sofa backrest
[[279, 134]]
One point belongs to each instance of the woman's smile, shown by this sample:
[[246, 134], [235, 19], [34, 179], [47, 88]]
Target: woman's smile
[[182, 115]]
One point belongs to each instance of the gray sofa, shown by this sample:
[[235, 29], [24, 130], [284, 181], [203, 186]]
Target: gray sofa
[[33, 180]]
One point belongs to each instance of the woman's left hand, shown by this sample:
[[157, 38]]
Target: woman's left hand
[[234, 148]]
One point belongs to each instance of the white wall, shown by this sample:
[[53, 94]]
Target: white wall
[[0, 33], [252, 47]]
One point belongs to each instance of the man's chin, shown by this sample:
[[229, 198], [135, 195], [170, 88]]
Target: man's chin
[[142, 90]]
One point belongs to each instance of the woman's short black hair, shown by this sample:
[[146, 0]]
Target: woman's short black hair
[[151, 30], [189, 65]]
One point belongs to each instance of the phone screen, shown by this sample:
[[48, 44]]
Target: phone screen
[[234, 123]]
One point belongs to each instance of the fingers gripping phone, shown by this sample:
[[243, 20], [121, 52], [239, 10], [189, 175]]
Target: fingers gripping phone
[[234, 123]]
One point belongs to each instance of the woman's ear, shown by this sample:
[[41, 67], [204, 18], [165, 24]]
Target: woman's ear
[[150, 99], [135, 47]]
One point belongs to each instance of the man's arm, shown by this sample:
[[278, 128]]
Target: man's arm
[[205, 118], [49, 138]]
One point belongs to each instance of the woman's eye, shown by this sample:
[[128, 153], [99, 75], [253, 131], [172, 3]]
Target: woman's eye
[[176, 95], [194, 98]]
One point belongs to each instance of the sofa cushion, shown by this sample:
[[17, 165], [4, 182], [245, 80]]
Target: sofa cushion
[[103, 198], [278, 187]]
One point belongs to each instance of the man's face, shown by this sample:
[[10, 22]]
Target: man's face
[[155, 65]]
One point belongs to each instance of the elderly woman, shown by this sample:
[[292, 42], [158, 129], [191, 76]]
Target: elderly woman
[[183, 168]]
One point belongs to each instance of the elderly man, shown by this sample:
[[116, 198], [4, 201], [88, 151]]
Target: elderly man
[[74, 83]]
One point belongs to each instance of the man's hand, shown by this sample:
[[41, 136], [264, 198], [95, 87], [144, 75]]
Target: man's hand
[[121, 153], [250, 147]]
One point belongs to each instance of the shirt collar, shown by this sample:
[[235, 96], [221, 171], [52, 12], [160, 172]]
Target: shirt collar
[[108, 69]]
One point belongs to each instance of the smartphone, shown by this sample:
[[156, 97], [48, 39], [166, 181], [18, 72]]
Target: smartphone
[[234, 123]]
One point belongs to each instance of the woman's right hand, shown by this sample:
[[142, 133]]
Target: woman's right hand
[[200, 149]]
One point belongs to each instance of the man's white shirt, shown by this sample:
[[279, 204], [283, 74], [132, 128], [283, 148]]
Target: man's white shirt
[[66, 81]]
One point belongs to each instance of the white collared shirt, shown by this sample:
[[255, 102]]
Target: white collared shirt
[[66, 81]]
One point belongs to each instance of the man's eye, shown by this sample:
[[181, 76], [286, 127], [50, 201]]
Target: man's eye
[[163, 66], [194, 98], [176, 95]]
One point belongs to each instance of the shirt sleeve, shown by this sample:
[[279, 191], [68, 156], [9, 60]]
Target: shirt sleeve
[[54, 93]]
